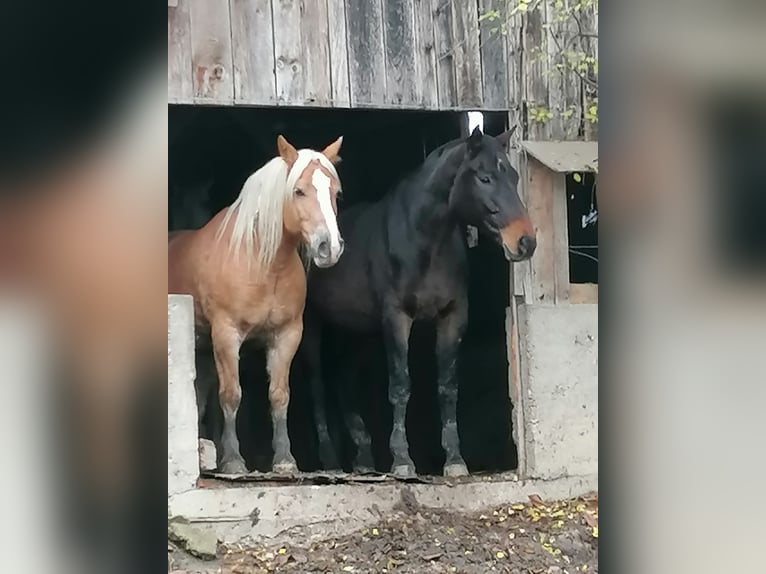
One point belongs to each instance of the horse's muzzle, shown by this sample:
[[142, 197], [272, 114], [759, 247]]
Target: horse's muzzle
[[325, 252]]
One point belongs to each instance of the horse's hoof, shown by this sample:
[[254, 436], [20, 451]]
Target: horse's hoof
[[328, 459], [285, 468], [403, 470], [456, 469], [234, 466]]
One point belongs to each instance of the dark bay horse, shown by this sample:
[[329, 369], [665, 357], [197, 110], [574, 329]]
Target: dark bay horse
[[247, 278], [406, 260]]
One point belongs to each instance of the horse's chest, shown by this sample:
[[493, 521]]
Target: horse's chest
[[427, 296]]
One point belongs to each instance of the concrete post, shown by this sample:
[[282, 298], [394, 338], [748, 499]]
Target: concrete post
[[183, 456]]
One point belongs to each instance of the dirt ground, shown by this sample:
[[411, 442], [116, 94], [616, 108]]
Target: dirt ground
[[539, 537]]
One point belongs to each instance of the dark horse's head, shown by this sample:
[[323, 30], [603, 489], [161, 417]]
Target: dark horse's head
[[484, 195]]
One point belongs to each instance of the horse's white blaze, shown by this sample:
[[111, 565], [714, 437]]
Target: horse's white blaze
[[322, 185]]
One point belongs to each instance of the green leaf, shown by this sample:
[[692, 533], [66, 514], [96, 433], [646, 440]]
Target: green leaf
[[577, 177]]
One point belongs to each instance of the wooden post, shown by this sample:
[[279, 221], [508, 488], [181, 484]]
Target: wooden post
[[540, 181], [560, 239]]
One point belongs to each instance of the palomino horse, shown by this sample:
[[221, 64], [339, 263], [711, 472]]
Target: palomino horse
[[407, 261], [247, 278]]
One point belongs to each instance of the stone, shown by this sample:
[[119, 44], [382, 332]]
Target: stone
[[196, 541], [207, 455]]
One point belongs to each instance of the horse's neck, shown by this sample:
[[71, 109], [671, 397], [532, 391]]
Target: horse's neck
[[287, 252], [428, 204]]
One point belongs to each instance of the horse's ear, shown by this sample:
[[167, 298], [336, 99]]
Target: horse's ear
[[331, 151], [474, 140], [286, 151], [504, 138]]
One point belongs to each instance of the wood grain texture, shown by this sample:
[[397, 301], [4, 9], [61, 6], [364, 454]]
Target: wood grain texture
[[288, 51], [316, 53], [540, 208], [366, 52], [399, 41], [253, 52], [211, 51], [425, 55], [589, 22], [494, 54], [560, 238], [445, 55], [583, 293], [535, 71], [514, 45], [180, 86], [468, 75], [339, 79], [564, 83]]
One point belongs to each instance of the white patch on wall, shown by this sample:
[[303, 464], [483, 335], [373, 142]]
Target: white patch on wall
[[475, 119]]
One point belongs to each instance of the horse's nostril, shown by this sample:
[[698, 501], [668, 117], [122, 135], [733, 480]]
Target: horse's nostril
[[323, 249], [527, 245]]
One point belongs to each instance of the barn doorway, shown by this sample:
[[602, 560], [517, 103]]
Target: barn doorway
[[213, 150]]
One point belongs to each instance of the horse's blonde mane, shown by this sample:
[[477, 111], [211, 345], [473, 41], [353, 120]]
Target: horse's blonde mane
[[259, 208]]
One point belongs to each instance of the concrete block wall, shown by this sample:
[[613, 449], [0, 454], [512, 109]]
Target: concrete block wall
[[183, 445], [559, 367]]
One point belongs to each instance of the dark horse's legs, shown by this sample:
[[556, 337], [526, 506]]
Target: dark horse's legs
[[449, 332], [311, 351], [396, 331]]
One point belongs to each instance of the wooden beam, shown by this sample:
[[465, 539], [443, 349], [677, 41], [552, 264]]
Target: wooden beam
[[540, 208], [583, 293], [560, 238]]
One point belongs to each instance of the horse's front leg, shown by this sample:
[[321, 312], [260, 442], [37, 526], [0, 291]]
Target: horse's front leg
[[396, 330], [311, 353], [449, 333], [281, 351], [226, 343]]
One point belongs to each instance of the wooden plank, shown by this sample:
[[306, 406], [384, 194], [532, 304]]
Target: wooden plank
[[583, 293], [515, 383], [180, 87], [341, 90], [589, 22], [516, 84], [494, 54], [211, 51], [316, 53], [560, 238], [564, 84], [401, 56], [288, 51], [518, 270], [564, 156], [366, 52], [253, 52], [540, 209], [445, 56], [465, 29], [425, 55], [535, 72]]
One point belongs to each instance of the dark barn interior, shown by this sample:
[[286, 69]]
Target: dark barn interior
[[582, 201], [223, 146]]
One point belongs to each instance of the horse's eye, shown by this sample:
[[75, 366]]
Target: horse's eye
[[484, 178], [299, 192]]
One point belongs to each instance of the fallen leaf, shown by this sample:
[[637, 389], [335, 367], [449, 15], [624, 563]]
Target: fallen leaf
[[500, 554], [434, 556], [536, 500], [375, 532], [518, 507]]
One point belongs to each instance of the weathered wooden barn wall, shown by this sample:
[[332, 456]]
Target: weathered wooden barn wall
[[408, 54]]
